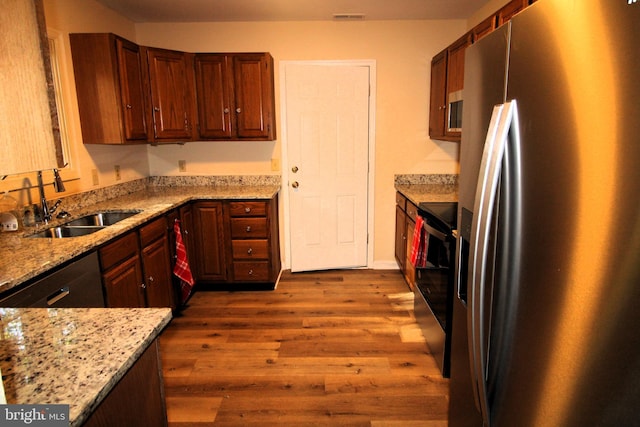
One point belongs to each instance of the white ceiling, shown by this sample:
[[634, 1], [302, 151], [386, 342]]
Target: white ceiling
[[289, 10]]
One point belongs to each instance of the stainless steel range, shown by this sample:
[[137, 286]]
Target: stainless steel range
[[435, 281]]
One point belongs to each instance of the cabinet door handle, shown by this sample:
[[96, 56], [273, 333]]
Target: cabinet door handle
[[238, 110], [129, 107], [143, 286], [151, 279], [156, 109], [226, 110]]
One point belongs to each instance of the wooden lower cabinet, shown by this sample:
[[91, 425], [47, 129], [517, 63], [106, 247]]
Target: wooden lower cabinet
[[136, 268], [236, 242], [138, 398], [406, 213], [209, 251]]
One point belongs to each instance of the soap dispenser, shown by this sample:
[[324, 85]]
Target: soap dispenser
[[9, 213]]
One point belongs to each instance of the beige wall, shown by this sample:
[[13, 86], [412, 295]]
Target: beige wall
[[402, 51]]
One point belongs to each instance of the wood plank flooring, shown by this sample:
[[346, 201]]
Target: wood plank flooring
[[324, 348]]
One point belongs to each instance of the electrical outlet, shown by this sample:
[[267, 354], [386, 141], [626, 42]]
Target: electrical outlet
[[275, 165], [182, 165], [116, 169], [95, 177]]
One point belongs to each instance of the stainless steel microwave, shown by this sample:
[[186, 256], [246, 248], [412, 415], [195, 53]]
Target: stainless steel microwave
[[454, 119]]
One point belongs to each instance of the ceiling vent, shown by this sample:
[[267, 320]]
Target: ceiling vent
[[348, 16]]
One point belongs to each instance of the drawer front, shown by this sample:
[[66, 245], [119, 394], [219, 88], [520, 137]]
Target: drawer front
[[245, 271], [153, 231], [412, 210], [250, 249], [401, 201], [241, 209], [248, 228], [118, 251]]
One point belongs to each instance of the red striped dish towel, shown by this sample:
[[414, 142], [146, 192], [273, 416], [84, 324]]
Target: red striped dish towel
[[182, 270], [419, 244]]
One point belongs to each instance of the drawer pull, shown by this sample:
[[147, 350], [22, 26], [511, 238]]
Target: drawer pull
[[247, 210], [249, 251], [250, 272], [248, 229], [57, 296]]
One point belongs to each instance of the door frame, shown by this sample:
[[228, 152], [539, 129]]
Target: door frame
[[371, 64]]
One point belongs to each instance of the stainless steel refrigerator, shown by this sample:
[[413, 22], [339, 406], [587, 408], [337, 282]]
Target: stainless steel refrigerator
[[546, 323]]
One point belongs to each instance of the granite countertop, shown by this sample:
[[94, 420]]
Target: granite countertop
[[428, 188], [72, 356], [23, 258]]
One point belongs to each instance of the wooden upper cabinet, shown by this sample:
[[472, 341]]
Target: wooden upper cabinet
[[510, 9], [132, 90], [235, 96], [438, 106], [485, 27], [253, 84], [172, 98], [111, 89], [455, 85], [447, 81], [214, 96]]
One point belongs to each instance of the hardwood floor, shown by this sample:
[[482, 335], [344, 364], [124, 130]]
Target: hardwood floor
[[324, 348]]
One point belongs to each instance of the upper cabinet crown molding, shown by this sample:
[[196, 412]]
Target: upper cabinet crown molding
[[29, 129], [134, 94]]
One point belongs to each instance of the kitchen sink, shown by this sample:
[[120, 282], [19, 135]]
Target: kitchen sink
[[84, 225], [100, 219], [64, 231]]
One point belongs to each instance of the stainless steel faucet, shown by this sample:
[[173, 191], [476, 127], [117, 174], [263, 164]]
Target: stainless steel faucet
[[58, 185]]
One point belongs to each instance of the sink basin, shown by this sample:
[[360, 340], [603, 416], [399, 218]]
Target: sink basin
[[101, 219], [85, 225], [63, 231]]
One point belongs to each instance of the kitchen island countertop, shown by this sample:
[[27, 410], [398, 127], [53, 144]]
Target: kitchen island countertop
[[72, 356]]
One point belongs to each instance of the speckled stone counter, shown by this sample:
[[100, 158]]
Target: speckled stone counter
[[23, 258], [428, 188], [72, 356]]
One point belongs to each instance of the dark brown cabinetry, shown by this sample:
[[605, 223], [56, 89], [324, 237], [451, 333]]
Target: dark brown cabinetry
[[438, 107], [156, 265], [122, 273], [171, 82], [136, 268], [235, 96], [447, 81], [236, 242], [111, 89], [209, 237], [138, 398], [253, 244], [510, 9], [406, 213], [135, 94], [483, 28]]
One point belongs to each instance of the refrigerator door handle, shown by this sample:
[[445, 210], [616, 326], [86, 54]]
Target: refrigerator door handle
[[502, 119]]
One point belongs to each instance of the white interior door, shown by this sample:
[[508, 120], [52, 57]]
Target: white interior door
[[327, 127]]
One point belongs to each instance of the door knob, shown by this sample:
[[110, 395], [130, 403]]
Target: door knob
[[295, 184], [294, 169]]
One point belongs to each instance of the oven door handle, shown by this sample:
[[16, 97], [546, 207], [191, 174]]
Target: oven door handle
[[433, 232]]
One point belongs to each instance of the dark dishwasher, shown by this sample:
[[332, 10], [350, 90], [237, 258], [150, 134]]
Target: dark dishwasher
[[77, 284]]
